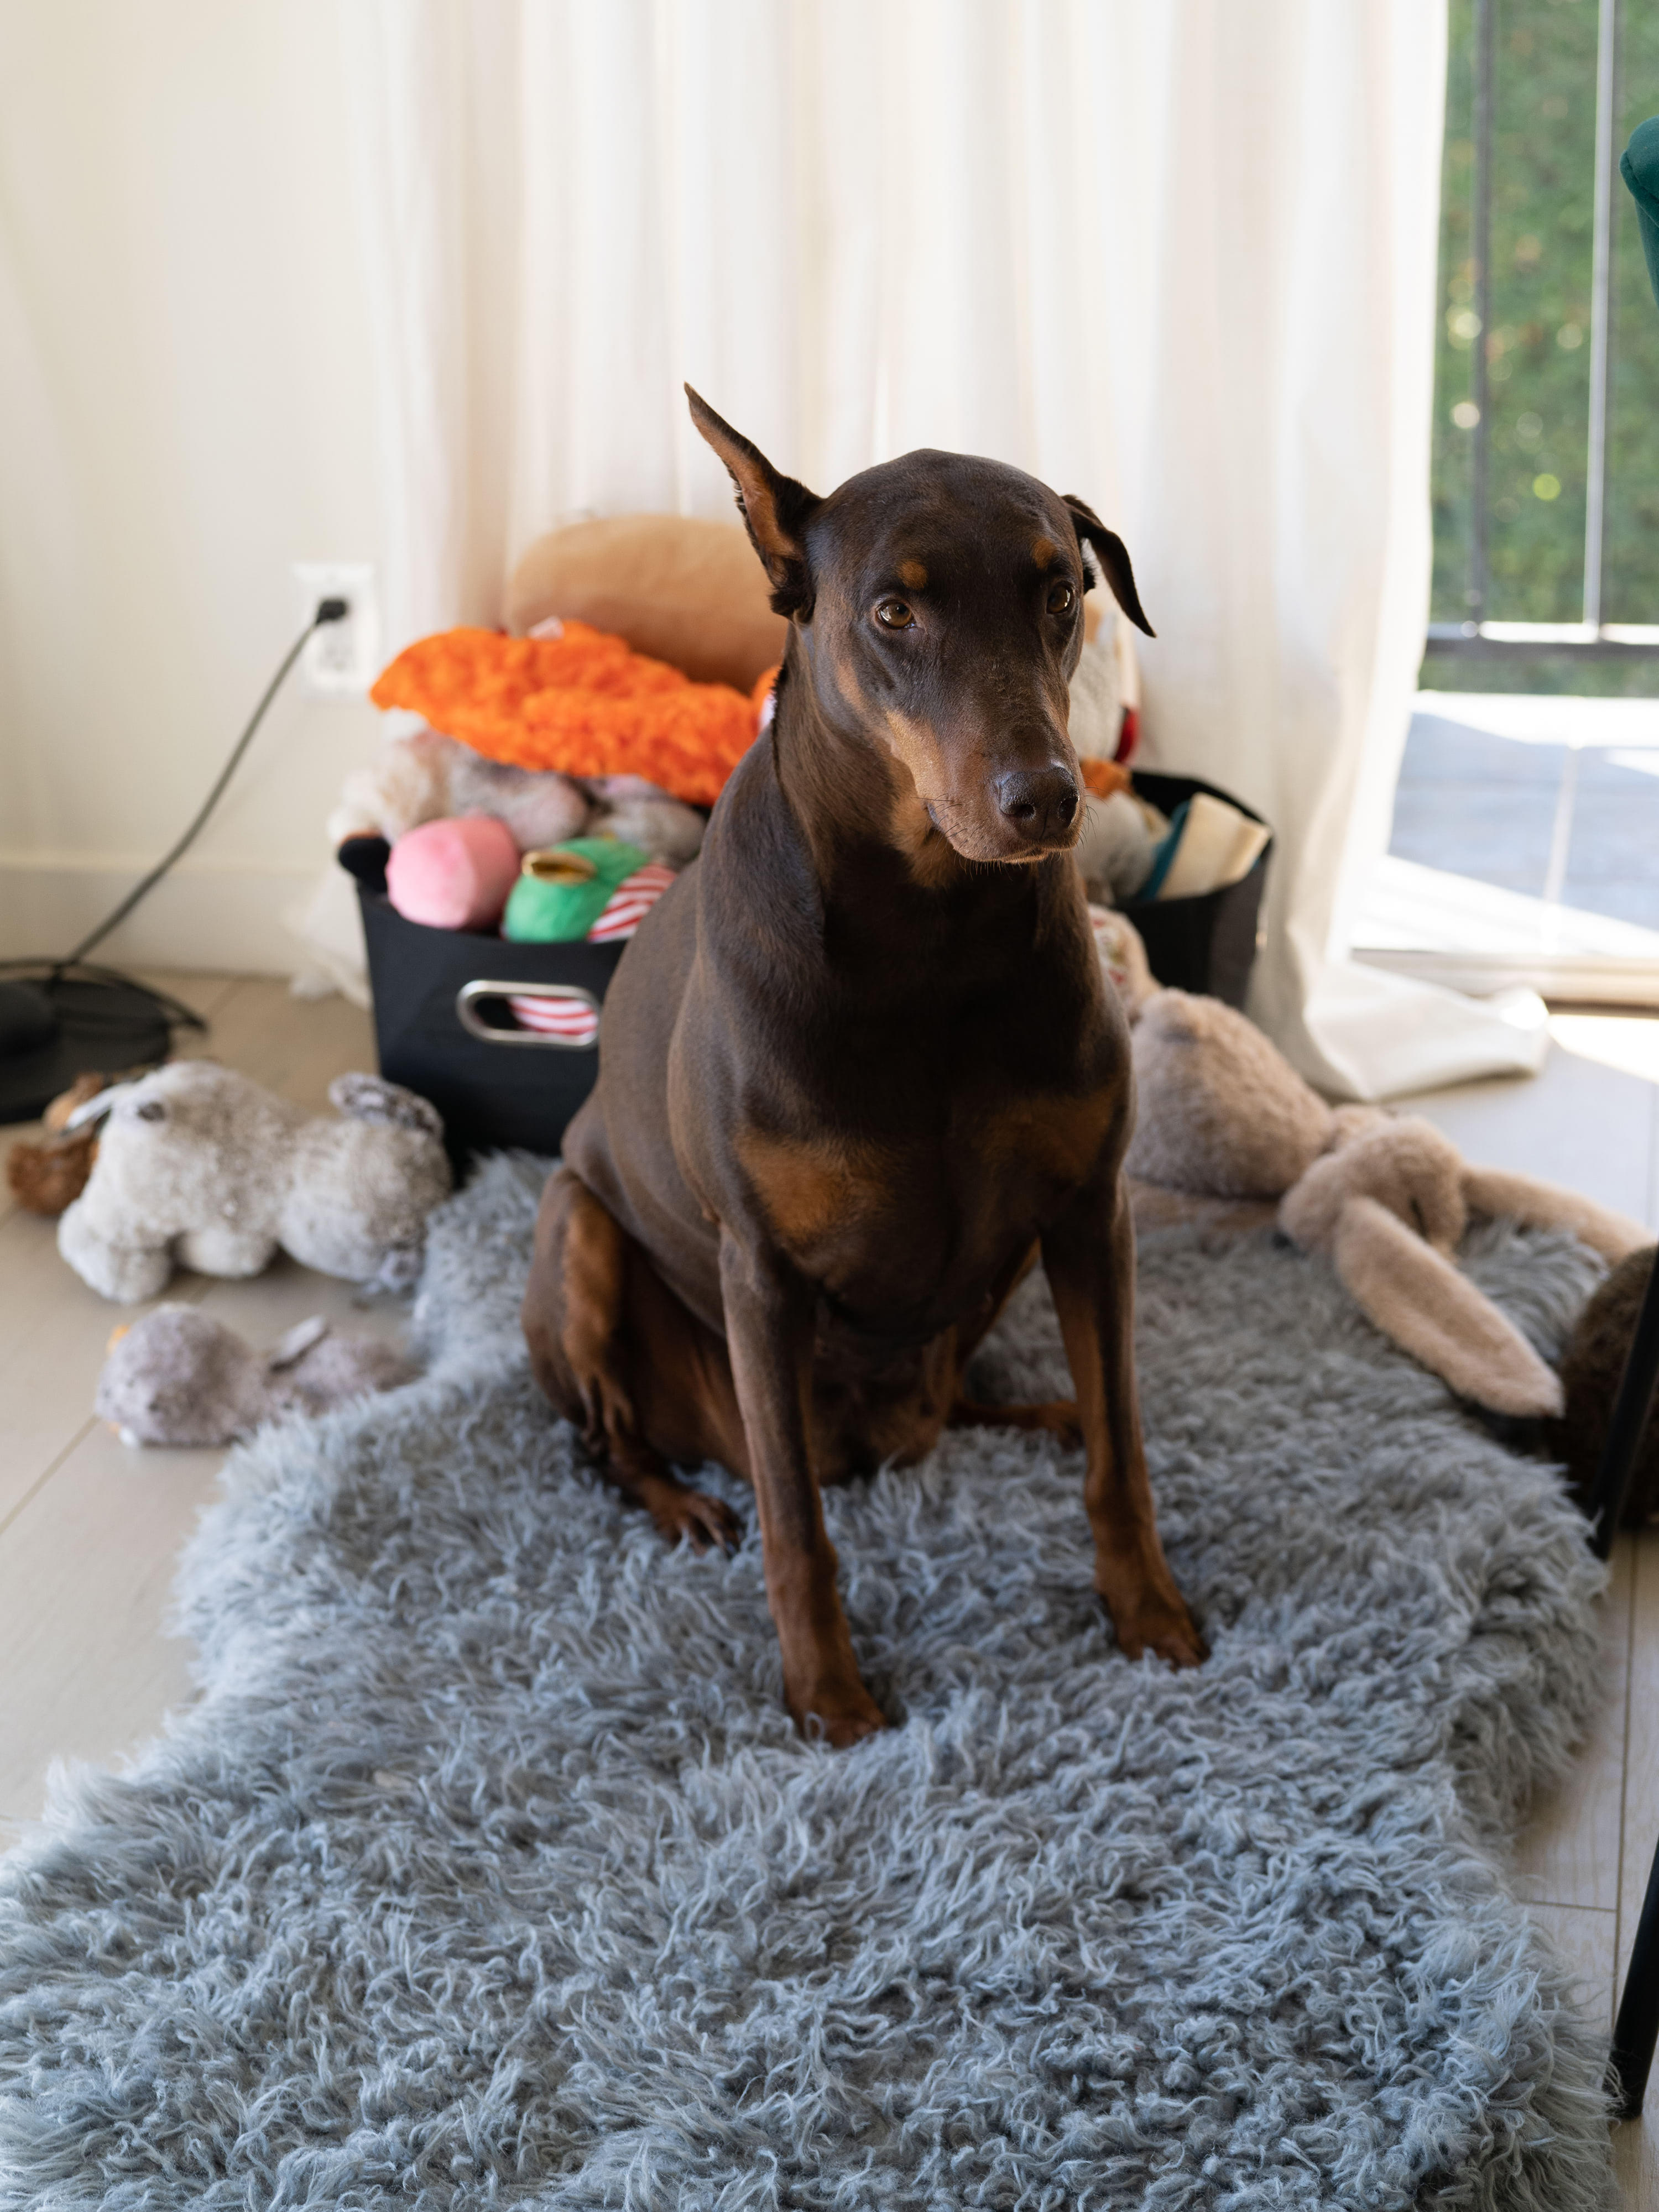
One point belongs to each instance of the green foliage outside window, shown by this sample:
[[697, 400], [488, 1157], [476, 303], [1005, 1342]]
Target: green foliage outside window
[[1537, 344]]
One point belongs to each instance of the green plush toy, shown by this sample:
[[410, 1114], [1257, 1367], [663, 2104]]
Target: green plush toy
[[1640, 171], [564, 888]]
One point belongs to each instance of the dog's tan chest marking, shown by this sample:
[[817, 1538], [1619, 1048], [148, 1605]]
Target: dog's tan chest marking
[[1059, 1137], [833, 1201], [817, 1190]]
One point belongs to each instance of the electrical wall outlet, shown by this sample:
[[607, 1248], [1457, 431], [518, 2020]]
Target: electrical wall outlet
[[342, 659]]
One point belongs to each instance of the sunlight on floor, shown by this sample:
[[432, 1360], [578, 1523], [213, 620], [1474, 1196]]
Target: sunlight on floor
[[1411, 905], [1631, 1045], [1553, 719]]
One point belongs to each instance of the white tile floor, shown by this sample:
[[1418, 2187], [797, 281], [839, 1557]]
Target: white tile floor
[[89, 1531]]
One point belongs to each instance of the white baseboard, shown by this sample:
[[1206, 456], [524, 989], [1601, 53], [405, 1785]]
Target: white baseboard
[[223, 916]]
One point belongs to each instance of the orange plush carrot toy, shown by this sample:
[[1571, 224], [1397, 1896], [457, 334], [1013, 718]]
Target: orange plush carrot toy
[[582, 702]]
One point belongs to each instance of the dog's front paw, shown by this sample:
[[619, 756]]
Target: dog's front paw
[[1157, 1620], [702, 1520], [838, 1713]]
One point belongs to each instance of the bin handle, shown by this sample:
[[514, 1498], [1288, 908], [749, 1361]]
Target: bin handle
[[466, 1008]]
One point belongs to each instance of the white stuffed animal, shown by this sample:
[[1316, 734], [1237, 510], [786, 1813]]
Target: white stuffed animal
[[199, 1167]]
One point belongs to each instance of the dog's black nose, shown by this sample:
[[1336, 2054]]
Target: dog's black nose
[[1042, 803]]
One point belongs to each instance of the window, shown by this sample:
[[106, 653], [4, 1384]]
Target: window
[[1525, 828], [1545, 469]]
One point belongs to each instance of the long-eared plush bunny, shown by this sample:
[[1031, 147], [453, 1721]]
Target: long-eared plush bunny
[[1222, 1113]]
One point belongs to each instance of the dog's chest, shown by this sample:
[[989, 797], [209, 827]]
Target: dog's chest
[[907, 1230]]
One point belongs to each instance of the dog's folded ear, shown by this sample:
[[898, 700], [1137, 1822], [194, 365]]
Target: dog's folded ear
[[774, 508], [1113, 559]]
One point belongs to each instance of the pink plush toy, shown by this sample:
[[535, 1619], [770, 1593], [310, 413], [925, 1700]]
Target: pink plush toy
[[454, 874]]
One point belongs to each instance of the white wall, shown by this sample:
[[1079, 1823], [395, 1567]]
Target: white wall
[[186, 407]]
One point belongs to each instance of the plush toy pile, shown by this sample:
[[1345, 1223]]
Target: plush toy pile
[[194, 1165], [478, 817], [645, 663], [574, 700], [460, 828]]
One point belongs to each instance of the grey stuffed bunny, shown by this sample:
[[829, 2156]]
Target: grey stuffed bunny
[[199, 1166], [178, 1376]]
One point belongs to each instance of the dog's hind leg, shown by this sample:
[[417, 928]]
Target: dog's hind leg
[[1058, 1415], [581, 1315]]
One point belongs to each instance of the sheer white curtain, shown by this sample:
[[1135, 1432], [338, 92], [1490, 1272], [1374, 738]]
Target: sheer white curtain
[[1174, 255]]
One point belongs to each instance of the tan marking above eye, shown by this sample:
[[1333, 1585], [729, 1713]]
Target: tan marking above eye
[[913, 576], [1044, 550]]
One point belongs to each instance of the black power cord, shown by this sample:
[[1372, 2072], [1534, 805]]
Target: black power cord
[[65, 1013]]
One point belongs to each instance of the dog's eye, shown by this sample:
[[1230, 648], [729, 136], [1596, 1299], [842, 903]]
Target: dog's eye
[[893, 614], [1061, 599]]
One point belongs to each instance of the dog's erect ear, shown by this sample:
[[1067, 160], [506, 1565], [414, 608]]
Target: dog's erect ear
[[774, 508], [1113, 559]]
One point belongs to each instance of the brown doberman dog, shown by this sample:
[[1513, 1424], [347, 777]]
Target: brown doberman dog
[[860, 1066]]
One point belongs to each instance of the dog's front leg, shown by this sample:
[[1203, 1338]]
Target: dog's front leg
[[769, 1330], [1089, 1256]]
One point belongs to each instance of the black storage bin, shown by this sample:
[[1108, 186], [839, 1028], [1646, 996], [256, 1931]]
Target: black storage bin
[[1205, 944], [439, 1033]]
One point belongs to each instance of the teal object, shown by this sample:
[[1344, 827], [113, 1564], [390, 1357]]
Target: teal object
[[1163, 853], [540, 911], [1640, 170]]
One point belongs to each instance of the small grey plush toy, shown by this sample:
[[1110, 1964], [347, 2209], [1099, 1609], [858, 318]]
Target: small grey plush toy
[[178, 1376], [199, 1167]]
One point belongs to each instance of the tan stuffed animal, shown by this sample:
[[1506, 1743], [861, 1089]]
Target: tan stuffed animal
[[687, 592], [1222, 1113]]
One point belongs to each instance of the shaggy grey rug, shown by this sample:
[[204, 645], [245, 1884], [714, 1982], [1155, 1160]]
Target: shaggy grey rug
[[488, 1870]]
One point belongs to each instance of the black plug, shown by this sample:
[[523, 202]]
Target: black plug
[[331, 611]]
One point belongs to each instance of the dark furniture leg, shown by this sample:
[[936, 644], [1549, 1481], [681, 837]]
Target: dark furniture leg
[[1631, 1409], [1638, 2025]]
